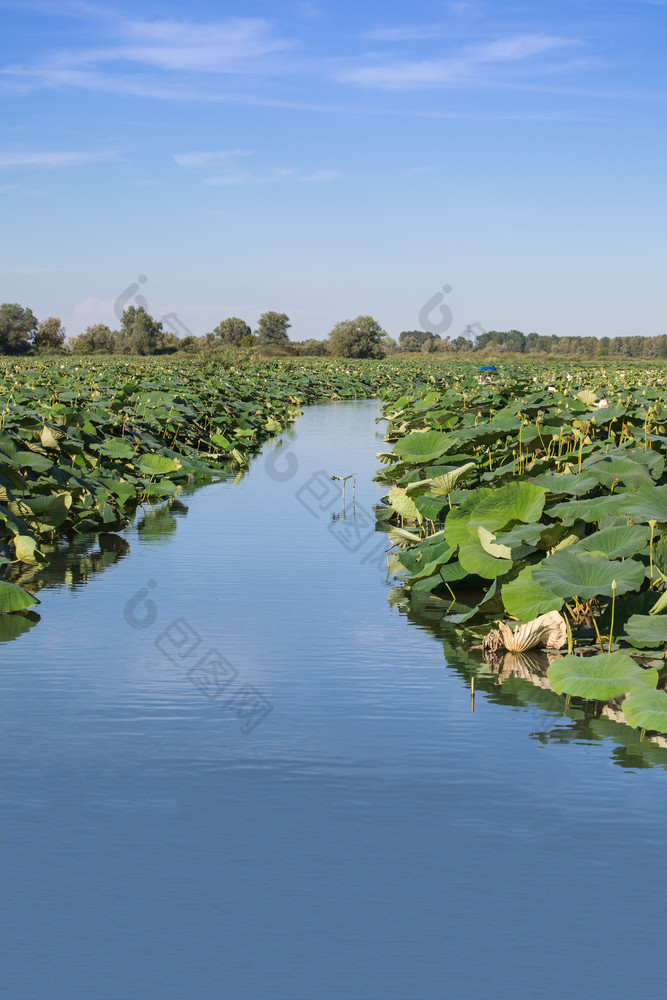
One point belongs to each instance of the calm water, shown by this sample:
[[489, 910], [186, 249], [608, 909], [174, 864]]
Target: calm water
[[267, 782]]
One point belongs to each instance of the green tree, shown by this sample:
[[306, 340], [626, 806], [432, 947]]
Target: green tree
[[272, 328], [17, 326], [357, 338], [232, 331], [410, 344], [190, 344], [50, 334], [313, 348], [412, 340], [96, 338], [139, 332]]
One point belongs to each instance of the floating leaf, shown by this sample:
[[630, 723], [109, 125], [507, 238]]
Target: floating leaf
[[646, 709], [422, 446], [13, 598], [157, 465], [114, 448], [600, 677]]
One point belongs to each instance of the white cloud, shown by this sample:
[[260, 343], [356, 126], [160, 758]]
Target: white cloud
[[92, 311], [270, 176], [231, 46], [320, 176], [55, 159], [208, 158], [273, 175], [464, 66]]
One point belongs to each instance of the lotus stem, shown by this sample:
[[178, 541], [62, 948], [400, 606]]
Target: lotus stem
[[613, 605], [597, 630], [652, 524], [472, 694]]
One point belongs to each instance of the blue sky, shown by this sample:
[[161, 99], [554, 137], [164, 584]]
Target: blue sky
[[334, 159]]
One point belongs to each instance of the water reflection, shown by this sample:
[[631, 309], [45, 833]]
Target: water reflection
[[73, 562], [520, 681]]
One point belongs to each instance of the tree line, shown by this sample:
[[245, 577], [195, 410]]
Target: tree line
[[363, 337]]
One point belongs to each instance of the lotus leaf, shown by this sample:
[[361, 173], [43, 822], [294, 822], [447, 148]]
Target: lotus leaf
[[157, 465], [422, 446], [600, 677], [646, 709], [586, 576], [524, 598], [615, 543], [647, 630], [514, 502], [14, 598]]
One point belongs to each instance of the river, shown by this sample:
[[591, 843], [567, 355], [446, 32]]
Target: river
[[231, 767]]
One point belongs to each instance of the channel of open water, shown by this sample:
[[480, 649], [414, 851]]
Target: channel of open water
[[232, 767]]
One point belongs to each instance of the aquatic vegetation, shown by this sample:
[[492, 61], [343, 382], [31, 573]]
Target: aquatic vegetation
[[84, 443], [562, 508]]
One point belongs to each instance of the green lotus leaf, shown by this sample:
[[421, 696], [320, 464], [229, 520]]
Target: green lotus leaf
[[646, 630], [514, 502], [48, 512], [13, 598], [524, 598], [611, 469], [456, 522], [574, 483], [589, 510], [617, 542], [430, 507], [33, 460], [646, 709], [585, 576], [442, 485], [660, 555], [475, 560], [222, 442], [157, 465], [25, 547], [647, 504], [522, 535], [114, 448], [403, 505], [489, 544], [600, 677], [422, 446]]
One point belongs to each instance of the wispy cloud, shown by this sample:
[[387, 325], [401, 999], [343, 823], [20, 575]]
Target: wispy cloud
[[273, 175], [217, 47], [209, 158], [56, 159], [408, 33], [462, 67]]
